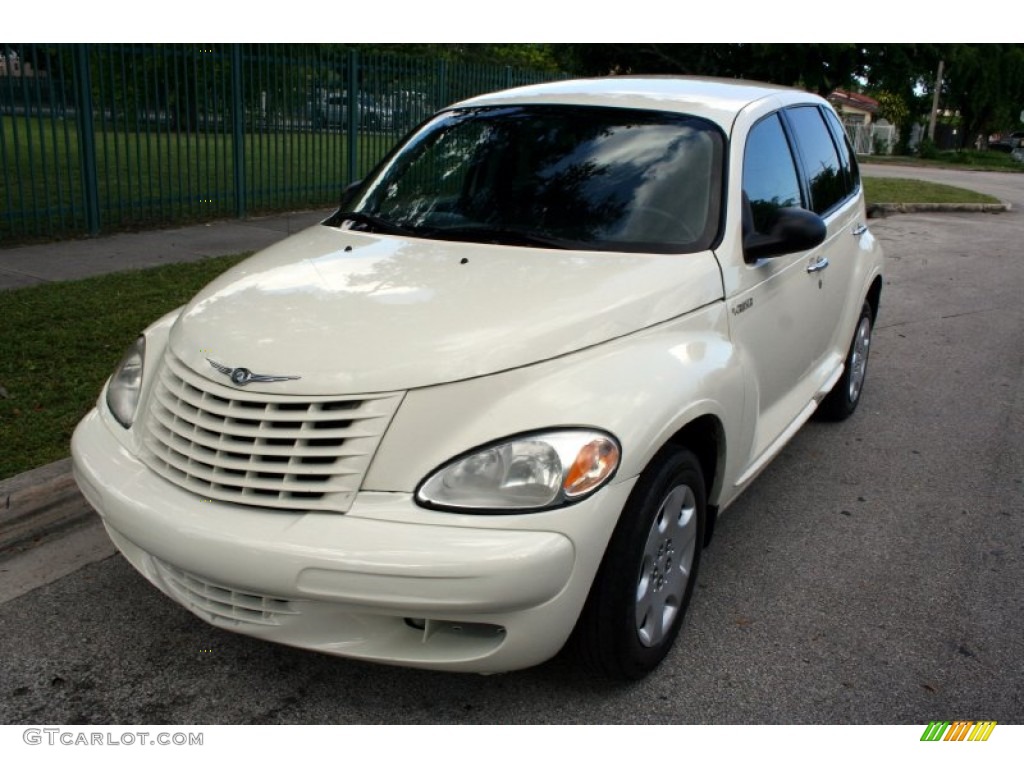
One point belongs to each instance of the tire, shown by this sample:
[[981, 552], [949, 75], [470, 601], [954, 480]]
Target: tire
[[842, 401], [639, 596]]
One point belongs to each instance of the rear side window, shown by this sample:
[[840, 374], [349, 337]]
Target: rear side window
[[846, 156], [825, 176], [769, 175]]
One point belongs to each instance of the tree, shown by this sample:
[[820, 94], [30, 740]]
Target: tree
[[985, 84], [906, 70], [818, 67], [536, 56]]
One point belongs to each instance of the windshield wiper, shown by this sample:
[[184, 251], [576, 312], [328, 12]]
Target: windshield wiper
[[374, 223], [496, 236]]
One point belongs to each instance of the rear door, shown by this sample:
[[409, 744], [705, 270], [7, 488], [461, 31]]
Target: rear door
[[834, 192]]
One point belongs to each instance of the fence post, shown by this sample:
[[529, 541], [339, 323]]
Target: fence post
[[442, 84], [352, 104], [238, 126], [86, 139]]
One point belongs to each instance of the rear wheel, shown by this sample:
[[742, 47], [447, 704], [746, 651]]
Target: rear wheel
[[639, 597], [842, 401]]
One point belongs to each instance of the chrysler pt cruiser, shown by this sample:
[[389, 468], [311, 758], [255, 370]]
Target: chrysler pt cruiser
[[495, 403]]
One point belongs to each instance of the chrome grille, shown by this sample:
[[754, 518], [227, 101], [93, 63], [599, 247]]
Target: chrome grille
[[214, 601], [281, 452]]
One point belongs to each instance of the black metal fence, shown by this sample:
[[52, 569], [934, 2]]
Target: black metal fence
[[97, 138]]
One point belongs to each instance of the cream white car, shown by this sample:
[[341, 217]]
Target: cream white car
[[496, 403]]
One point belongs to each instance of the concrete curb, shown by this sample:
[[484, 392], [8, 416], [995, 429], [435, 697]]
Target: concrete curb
[[37, 504], [884, 209]]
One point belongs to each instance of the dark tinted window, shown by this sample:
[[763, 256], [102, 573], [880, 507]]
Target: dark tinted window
[[820, 160], [769, 176], [846, 156]]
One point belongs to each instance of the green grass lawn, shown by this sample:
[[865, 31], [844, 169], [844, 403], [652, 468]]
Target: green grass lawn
[[158, 177], [966, 159], [60, 342], [913, 191]]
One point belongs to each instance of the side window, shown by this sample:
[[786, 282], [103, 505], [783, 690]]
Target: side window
[[769, 175], [825, 176], [846, 156]]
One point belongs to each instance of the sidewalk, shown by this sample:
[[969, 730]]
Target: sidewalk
[[26, 265], [44, 504]]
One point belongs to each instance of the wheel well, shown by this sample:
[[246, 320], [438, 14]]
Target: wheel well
[[874, 297], [706, 438]]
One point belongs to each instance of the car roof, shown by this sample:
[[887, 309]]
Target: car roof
[[714, 98]]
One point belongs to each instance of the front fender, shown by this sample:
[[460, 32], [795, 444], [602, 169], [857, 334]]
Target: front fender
[[643, 388]]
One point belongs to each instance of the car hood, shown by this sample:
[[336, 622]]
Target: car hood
[[350, 312]]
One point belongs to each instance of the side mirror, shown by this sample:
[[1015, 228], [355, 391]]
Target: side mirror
[[795, 229]]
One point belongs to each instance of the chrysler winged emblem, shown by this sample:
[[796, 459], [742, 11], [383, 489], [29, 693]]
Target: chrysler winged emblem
[[242, 376]]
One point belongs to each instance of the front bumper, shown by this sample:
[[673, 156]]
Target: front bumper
[[459, 592]]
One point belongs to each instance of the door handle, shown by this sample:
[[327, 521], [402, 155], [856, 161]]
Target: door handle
[[818, 265], [859, 229]]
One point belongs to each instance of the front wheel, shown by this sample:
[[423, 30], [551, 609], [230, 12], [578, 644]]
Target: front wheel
[[640, 594], [842, 401]]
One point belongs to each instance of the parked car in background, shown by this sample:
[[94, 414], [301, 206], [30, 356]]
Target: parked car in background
[[1007, 143], [330, 111], [495, 403], [406, 109]]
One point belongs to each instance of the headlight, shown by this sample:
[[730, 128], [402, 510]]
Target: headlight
[[124, 386], [531, 472]]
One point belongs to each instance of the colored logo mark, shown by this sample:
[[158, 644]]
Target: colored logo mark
[[958, 730]]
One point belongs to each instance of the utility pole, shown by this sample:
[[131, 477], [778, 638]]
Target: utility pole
[[935, 103]]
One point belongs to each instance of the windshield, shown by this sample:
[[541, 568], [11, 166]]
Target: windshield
[[561, 177]]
